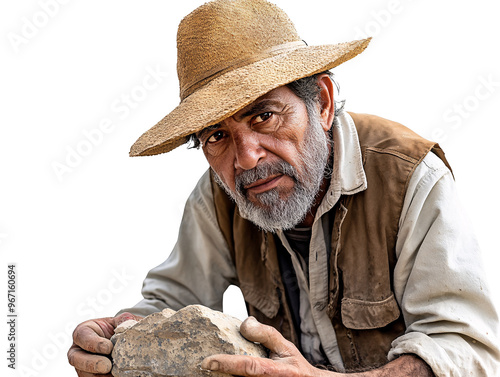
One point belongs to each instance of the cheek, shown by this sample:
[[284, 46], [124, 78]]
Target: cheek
[[287, 141], [223, 168], [285, 149]]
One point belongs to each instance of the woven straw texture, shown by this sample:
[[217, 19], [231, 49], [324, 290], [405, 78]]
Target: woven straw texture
[[229, 53]]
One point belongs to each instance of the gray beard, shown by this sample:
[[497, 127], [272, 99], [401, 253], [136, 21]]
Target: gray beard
[[274, 213]]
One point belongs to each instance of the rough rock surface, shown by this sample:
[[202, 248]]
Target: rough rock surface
[[173, 343]]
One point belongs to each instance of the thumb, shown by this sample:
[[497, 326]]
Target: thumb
[[268, 336]]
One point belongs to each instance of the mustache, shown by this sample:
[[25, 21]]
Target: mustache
[[263, 171]]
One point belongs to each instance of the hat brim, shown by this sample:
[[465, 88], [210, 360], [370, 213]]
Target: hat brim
[[234, 90]]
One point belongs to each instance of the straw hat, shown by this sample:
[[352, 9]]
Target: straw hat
[[229, 53]]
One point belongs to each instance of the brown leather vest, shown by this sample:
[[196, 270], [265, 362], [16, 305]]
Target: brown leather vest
[[361, 303]]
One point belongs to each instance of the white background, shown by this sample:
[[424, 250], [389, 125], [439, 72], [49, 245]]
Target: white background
[[84, 239]]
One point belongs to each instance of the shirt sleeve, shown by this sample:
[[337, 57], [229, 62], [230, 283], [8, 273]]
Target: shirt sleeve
[[199, 268], [439, 281]]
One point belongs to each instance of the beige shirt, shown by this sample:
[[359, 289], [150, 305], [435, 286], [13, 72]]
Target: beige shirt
[[438, 278]]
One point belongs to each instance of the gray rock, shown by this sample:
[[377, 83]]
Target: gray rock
[[173, 343]]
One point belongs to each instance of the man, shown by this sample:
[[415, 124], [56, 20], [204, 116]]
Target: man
[[341, 229]]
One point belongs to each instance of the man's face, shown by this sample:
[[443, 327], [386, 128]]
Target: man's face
[[270, 158]]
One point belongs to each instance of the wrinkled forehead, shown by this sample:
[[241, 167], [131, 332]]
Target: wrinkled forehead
[[276, 98]]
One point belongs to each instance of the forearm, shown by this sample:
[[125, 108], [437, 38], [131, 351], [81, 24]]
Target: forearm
[[404, 366], [439, 281]]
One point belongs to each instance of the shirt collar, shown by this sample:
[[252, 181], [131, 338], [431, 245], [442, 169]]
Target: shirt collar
[[348, 175]]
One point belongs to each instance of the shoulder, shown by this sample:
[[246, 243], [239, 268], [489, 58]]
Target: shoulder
[[202, 198], [432, 175], [428, 173], [377, 134]]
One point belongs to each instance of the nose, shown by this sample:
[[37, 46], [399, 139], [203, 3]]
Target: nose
[[248, 149]]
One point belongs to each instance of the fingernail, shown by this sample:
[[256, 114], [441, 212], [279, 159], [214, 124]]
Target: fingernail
[[213, 365], [206, 371]]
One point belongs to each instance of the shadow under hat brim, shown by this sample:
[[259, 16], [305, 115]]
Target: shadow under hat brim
[[227, 94]]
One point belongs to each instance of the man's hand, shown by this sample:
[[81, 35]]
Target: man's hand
[[90, 341], [285, 360]]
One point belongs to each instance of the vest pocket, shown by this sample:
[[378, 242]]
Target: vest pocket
[[365, 315]]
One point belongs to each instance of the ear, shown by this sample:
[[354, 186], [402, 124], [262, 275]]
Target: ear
[[327, 110]]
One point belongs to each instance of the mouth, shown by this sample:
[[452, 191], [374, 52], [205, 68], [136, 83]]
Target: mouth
[[265, 184]]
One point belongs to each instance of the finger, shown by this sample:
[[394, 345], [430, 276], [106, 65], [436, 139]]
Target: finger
[[268, 336], [91, 337], [118, 320], [87, 362], [250, 366]]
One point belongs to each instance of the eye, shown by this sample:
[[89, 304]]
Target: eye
[[215, 137], [263, 117]]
